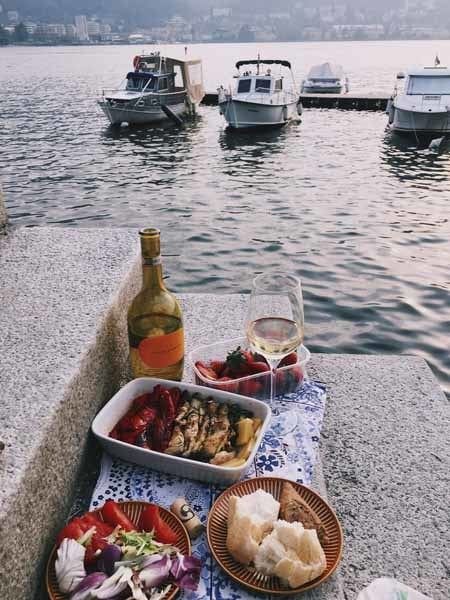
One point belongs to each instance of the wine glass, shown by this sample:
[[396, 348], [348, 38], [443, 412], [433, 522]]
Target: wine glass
[[275, 321]]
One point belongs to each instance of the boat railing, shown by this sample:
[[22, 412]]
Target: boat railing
[[157, 98]]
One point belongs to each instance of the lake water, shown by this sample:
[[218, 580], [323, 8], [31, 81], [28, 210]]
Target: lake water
[[361, 216]]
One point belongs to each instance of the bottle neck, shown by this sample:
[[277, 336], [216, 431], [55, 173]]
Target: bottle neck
[[152, 276]]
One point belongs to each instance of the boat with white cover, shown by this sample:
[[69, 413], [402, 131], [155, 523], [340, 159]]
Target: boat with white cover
[[159, 88], [423, 105], [327, 78], [261, 98]]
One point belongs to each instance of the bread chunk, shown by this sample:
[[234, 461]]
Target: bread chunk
[[293, 508], [250, 518], [291, 553]]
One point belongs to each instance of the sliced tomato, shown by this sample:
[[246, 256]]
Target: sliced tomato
[[93, 549], [151, 521], [102, 528], [114, 515], [73, 530]]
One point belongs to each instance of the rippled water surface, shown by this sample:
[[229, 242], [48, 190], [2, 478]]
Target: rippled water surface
[[361, 216]]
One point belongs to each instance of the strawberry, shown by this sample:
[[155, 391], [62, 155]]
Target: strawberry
[[238, 362], [250, 387], [218, 366], [205, 371], [259, 367], [290, 359], [297, 375], [227, 385]]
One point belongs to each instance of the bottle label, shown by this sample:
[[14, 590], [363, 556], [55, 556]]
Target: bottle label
[[162, 351]]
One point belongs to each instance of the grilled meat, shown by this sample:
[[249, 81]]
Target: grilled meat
[[191, 428], [219, 436], [176, 444]]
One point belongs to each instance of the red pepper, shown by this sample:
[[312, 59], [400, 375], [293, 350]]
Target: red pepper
[[141, 402], [151, 521]]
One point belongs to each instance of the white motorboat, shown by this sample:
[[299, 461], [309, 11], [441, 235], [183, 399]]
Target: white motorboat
[[327, 78], [159, 88], [260, 98], [423, 105]]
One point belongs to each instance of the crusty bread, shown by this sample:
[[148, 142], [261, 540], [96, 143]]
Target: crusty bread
[[291, 553], [294, 508], [250, 518]]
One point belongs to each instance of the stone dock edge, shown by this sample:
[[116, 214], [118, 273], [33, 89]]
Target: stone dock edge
[[63, 353]]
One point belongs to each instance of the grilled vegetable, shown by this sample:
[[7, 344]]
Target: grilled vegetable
[[245, 431]]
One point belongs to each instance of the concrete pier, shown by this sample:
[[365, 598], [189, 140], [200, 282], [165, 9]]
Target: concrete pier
[[384, 448], [343, 101]]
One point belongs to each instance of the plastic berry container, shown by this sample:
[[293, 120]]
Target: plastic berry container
[[287, 379]]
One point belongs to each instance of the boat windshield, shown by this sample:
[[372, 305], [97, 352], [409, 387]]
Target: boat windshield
[[244, 86], [419, 85], [136, 84], [263, 85]]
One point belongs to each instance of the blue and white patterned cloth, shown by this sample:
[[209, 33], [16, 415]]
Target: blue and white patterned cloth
[[288, 450]]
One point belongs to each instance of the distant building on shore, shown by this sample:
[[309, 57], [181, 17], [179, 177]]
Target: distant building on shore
[[218, 13], [13, 16], [51, 31], [82, 28]]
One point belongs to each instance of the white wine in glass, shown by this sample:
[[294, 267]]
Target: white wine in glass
[[275, 321]]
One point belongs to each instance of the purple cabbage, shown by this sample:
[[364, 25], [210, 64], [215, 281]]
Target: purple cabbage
[[189, 581], [87, 585], [114, 586], [108, 557], [186, 571], [155, 572]]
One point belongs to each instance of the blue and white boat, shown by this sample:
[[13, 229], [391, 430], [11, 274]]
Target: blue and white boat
[[158, 89], [261, 98], [423, 105]]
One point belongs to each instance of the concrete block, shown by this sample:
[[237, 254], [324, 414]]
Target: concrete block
[[61, 358]]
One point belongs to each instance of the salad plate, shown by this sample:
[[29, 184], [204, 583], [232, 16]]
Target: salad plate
[[248, 576], [133, 510]]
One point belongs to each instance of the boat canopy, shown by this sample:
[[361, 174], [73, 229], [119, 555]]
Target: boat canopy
[[284, 63], [429, 72], [192, 76], [326, 71]]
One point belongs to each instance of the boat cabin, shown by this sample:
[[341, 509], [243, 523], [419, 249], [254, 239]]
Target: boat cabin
[[137, 81], [427, 81]]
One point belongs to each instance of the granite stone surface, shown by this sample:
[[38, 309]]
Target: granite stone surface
[[386, 459], [63, 352], [3, 215], [60, 290]]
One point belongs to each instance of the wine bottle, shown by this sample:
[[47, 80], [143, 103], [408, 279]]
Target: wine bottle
[[155, 321]]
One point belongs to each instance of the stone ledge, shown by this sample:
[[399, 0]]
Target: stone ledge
[[60, 292], [63, 353]]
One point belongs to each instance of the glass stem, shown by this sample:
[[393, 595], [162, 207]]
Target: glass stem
[[273, 365]]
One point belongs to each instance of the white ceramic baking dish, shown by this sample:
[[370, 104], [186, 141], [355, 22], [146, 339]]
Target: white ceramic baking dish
[[120, 403]]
